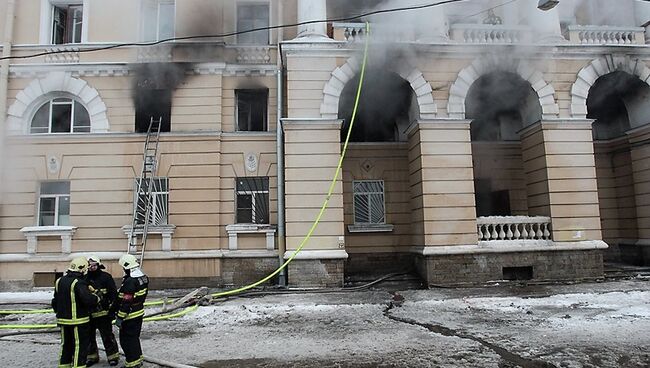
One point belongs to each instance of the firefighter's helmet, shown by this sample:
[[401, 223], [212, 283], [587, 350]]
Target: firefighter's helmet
[[94, 259], [128, 261], [79, 264]]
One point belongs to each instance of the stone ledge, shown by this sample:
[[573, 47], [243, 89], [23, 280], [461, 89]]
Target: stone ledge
[[506, 246]]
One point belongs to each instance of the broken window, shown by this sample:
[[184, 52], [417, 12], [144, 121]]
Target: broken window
[[252, 200], [252, 110], [54, 204], [61, 115], [253, 16], [159, 201], [369, 202], [153, 104], [158, 19], [67, 21]]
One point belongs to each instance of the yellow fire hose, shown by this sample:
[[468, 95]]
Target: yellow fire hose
[[274, 273]]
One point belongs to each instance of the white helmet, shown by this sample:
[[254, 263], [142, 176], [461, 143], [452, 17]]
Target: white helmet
[[79, 264], [128, 261], [94, 259]]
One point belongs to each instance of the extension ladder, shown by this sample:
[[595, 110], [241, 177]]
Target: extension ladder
[[143, 198]]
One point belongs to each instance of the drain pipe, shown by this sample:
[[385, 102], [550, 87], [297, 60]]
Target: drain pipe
[[4, 78], [279, 147]]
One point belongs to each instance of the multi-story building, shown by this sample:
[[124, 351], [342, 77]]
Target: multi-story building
[[491, 141]]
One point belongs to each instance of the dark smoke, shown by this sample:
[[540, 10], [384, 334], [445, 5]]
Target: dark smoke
[[152, 91], [500, 104], [383, 106]]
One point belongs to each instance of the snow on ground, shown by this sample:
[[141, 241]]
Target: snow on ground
[[580, 325]]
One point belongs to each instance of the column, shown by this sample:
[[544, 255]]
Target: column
[[561, 179], [640, 155], [545, 24], [642, 17], [436, 26], [309, 10], [312, 151], [442, 184]]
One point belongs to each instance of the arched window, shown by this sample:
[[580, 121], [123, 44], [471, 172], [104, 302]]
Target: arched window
[[61, 115]]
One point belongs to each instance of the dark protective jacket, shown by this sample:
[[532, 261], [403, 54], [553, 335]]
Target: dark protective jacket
[[132, 294], [73, 301], [102, 282]]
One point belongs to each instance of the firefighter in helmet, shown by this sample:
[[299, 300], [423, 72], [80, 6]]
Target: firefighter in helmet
[[101, 319], [130, 309], [73, 302]]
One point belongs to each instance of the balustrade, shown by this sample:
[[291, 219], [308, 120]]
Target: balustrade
[[492, 228]]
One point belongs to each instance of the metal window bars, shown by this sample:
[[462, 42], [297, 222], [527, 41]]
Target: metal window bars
[[253, 200], [145, 207]]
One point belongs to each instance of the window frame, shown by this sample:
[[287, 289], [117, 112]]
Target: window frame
[[252, 3], [368, 194], [265, 123], [51, 102], [57, 201], [254, 194], [46, 33], [157, 31], [156, 197]]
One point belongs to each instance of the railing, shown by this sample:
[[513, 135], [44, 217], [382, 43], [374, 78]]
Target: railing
[[253, 54], [492, 228], [62, 54], [488, 33], [605, 35], [355, 32]]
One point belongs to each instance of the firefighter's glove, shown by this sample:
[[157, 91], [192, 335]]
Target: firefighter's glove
[[118, 322]]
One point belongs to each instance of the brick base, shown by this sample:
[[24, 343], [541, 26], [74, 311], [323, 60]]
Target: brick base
[[244, 271], [316, 273], [378, 263], [632, 254], [480, 268]]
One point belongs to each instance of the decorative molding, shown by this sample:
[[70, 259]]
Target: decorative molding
[[509, 246], [588, 75], [32, 233], [38, 91], [340, 76], [482, 66], [318, 254]]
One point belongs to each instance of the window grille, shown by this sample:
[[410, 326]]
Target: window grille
[[252, 200], [159, 205], [369, 202]]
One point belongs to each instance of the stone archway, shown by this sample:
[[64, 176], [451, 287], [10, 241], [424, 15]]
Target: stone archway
[[588, 75], [466, 77], [27, 100], [340, 76]]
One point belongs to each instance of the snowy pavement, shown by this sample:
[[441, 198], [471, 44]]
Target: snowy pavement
[[579, 325]]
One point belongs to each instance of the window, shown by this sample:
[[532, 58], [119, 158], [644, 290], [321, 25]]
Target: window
[[252, 109], [253, 200], [369, 202], [158, 19], [67, 21], [159, 201], [61, 115], [54, 204], [253, 16]]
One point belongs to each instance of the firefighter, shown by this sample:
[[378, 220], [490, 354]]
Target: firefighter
[[72, 303], [130, 309], [101, 319]]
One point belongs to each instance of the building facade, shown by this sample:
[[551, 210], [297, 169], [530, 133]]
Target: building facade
[[491, 142]]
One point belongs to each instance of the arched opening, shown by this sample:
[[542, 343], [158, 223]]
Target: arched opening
[[60, 114], [617, 101], [376, 189], [384, 111], [500, 104]]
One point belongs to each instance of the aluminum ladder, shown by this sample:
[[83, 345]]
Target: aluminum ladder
[[143, 198]]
